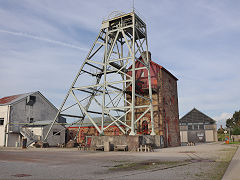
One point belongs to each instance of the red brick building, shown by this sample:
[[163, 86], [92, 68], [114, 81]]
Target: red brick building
[[165, 103], [165, 106]]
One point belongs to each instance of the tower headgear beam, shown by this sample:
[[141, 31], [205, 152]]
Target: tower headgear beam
[[106, 82]]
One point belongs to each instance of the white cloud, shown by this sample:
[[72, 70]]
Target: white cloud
[[41, 46], [221, 119], [43, 39]]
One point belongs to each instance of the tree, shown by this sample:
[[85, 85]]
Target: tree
[[235, 131], [234, 121], [229, 123]]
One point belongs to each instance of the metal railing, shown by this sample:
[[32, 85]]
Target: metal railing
[[31, 137]]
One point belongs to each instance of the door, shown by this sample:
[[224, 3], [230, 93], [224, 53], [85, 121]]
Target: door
[[145, 127]]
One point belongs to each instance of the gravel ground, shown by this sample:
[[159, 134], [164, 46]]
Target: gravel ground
[[203, 161]]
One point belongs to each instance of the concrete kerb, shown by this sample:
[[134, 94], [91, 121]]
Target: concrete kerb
[[232, 172]]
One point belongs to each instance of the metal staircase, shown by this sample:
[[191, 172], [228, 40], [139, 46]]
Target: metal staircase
[[31, 138]]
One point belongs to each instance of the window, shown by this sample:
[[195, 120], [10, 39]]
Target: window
[[55, 133], [145, 127], [31, 120], [30, 100], [195, 127], [1, 121], [201, 126], [116, 132], [190, 127]]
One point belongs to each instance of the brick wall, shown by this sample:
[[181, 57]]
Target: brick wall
[[165, 107], [90, 131]]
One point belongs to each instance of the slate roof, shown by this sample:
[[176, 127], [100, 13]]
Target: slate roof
[[12, 99], [195, 116]]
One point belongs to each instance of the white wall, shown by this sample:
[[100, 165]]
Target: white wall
[[4, 113], [209, 135], [183, 136], [36, 130]]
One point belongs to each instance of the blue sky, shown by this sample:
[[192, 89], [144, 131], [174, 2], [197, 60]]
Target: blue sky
[[43, 44]]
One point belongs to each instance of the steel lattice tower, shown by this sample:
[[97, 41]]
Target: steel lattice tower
[[107, 77]]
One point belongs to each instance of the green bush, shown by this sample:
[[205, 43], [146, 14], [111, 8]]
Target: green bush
[[221, 137], [236, 131]]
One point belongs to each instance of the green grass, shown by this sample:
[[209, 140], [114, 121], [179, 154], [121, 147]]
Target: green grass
[[199, 174], [222, 163], [143, 165], [236, 142]]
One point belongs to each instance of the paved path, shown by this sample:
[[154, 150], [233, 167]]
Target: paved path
[[233, 170]]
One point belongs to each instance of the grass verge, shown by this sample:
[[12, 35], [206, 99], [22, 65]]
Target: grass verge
[[236, 142], [144, 165], [222, 163]]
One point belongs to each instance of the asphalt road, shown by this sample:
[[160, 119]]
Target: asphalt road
[[196, 162]]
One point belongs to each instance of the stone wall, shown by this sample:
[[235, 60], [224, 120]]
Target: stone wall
[[236, 138], [133, 142]]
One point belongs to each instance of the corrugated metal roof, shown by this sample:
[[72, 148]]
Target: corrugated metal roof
[[195, 116], [12, 99]]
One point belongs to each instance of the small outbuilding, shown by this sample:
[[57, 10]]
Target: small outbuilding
[[197, 127], [36, 131]]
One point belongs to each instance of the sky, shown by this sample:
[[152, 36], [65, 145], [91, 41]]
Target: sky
[[43, 44]]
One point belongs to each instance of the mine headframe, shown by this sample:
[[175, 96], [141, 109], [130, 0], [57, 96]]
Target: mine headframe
[[101, 87]]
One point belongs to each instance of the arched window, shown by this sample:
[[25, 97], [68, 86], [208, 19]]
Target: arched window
[[82, 135], [116, 132], [145, 127], [97, 133]]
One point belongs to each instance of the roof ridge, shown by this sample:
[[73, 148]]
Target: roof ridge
[[198, 111], [19, 94], [14, 98]]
